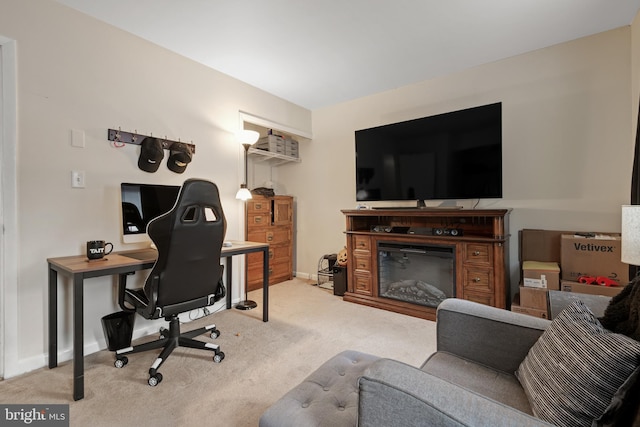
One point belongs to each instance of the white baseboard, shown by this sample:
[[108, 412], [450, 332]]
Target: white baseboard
[[64, 355], [304, 275]]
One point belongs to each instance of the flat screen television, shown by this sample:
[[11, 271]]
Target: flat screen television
[[140, 204], [455, 155]]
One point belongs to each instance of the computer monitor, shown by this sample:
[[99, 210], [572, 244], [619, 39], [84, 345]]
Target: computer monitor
[[140, 204]]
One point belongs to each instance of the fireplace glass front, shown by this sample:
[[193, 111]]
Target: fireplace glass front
[[419, 274]]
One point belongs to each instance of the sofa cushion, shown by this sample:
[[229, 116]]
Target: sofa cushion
[[394, 394], [486, 381], [328, 397], [573, 371]]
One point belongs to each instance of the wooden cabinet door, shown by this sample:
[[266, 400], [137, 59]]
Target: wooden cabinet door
[[282, 209]]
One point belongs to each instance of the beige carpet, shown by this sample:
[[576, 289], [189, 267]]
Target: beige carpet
[[307, 325]]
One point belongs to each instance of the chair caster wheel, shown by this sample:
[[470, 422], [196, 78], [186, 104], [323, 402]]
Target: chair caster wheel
[[219, 357], [121, 362], [154, 380], [215, 334]]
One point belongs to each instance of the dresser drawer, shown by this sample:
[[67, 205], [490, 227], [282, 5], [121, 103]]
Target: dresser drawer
[[280, 252], [278, 272], [482, 298], [478, 279], [258, 220], [362, 262], [258, 206], [478, 253], [274, 235], [361, 243], [362, 283]]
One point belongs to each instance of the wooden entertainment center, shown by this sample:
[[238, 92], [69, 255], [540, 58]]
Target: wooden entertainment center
[[479, 238]]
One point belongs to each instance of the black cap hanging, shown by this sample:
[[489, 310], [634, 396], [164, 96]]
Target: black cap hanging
[[180, 157], [151, 154]]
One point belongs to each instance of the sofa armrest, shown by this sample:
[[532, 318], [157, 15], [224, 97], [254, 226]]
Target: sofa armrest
[[393, 393], [486, 335]]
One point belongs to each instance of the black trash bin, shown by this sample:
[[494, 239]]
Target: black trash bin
[[118, 329], [339, 280]]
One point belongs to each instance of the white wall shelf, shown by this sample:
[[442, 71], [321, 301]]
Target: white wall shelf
[[271, 158]]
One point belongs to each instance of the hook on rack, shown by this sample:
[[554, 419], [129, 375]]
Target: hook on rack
[[136, 138]]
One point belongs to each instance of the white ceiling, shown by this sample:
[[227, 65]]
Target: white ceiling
[[317, 53]]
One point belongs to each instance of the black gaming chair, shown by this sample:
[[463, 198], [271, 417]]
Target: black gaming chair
[[186, 276]]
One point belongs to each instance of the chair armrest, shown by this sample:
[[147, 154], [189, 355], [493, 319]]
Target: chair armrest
[[122, 286], [393, 393], [487, 335]]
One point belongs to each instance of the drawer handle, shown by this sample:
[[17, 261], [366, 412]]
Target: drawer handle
[[477, 279], [362, 265], [271, 271], [476, 253], [362, 244], [270, 254], [258, 219], [258, 206], [269, 237]]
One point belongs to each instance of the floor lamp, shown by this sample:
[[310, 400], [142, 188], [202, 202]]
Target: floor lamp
[[246, 138]]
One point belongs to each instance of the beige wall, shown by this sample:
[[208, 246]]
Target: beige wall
[[635, 71], [77, 73], [567, 141]]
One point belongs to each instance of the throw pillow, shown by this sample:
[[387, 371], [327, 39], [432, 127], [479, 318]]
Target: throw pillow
[[573, 371]]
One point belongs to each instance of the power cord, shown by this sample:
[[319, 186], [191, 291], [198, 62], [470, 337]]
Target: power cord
[[196, 314]]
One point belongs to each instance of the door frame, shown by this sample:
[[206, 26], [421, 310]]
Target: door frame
[[8, 210]]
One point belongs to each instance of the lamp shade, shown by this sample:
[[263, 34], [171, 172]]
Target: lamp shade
[[630, 241], [246, 136], [243, 193]]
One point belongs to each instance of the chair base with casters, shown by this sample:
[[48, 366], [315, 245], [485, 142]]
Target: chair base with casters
[[169, 340]]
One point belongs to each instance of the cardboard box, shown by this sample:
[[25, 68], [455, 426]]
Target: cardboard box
[[272, 143], [530, 311], [537, 274], [592, 256], [534, 298], [583, 288], [516, 307], [540, 245]]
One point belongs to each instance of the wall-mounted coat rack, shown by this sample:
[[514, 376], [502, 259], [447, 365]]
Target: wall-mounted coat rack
[[136, 138]]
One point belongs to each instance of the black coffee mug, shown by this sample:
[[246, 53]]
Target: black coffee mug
[[97, 249]]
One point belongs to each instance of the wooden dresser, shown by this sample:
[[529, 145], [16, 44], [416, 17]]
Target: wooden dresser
[[270, 220]]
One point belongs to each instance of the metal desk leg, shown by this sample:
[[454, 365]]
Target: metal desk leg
[[53, 318], [265, 284], [229, 267], [78, 338]]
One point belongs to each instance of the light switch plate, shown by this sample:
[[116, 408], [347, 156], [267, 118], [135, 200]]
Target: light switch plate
[[77, 138], [77, 179]]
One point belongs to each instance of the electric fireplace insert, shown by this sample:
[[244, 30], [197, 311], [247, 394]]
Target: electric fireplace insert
[[422, 274]]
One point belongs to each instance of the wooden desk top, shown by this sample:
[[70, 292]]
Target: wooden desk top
[[81, 264]]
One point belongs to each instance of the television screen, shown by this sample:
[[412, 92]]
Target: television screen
[[140, 204], [456, 155]]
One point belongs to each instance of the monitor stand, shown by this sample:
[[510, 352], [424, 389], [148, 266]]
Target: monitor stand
[[450, 204], [445, 204]]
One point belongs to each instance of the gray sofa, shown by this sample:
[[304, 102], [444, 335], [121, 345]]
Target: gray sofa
[[469, 381]]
